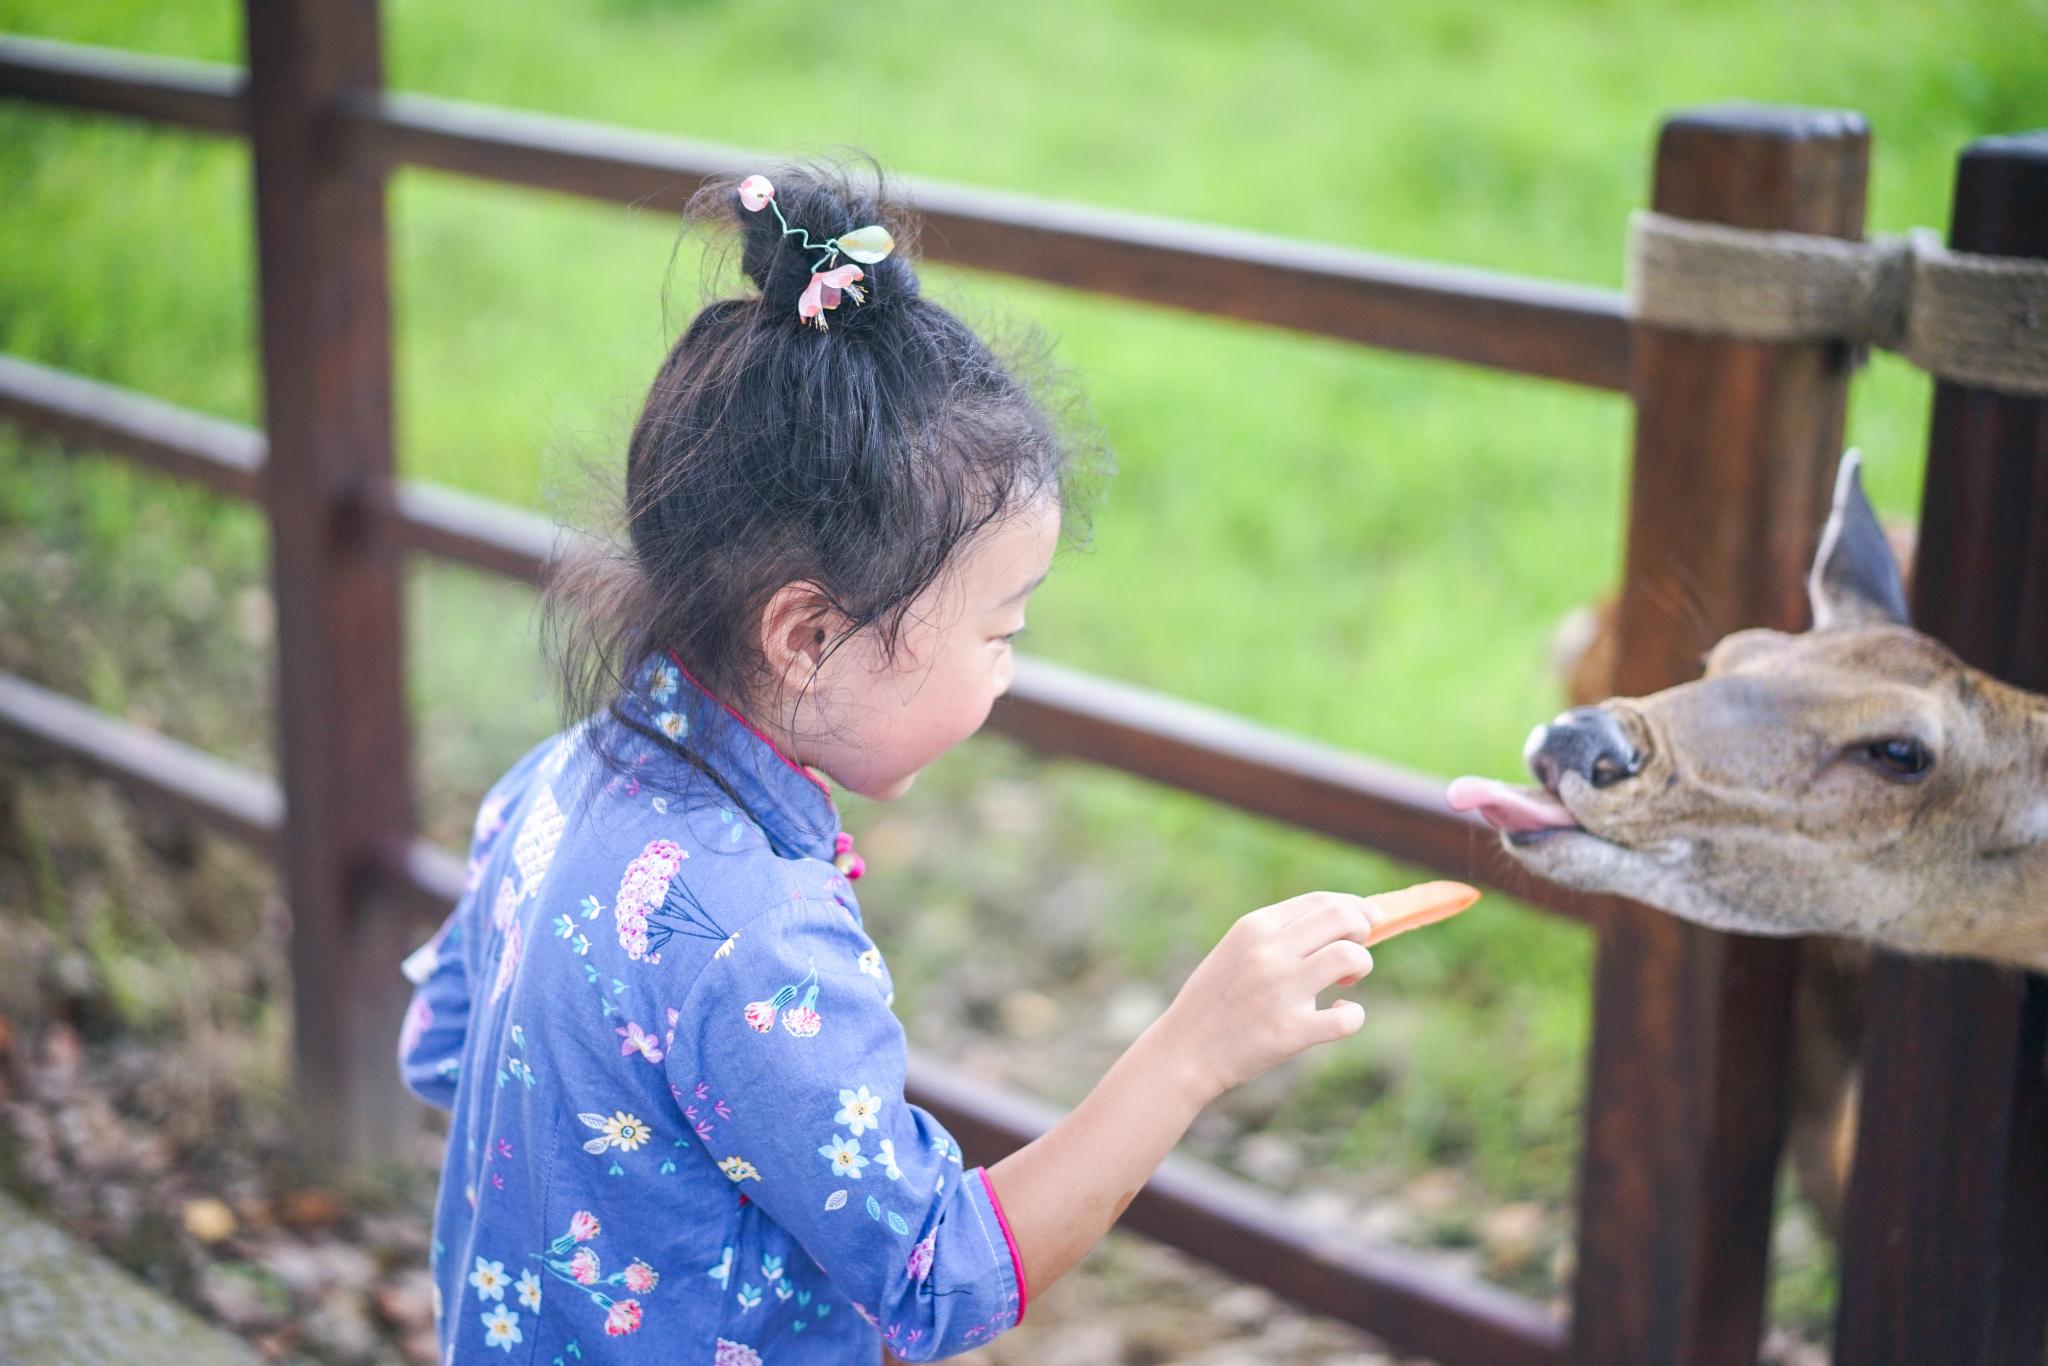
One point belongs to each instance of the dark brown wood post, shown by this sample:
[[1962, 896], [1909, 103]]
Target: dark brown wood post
[[1735, 446], [1945, 1238], [335, 559]]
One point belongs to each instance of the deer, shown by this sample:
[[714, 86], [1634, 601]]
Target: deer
[[1856, 781]]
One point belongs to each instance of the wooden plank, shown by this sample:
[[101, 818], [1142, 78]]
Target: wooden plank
[[205, 96], [1688, 1093], [1551, 330], [225, 797], [1945, 1236], [335, 568], [1052, 709], [480, 532], [1299, 782], [84, 415], [1234, 1226], [1533, 327]]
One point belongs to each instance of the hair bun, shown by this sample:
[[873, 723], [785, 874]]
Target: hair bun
[[823, 202]]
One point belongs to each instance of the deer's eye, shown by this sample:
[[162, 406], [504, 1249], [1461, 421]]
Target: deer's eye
[[1899, 758]]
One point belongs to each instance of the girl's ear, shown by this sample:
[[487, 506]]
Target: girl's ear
[[794, 628]]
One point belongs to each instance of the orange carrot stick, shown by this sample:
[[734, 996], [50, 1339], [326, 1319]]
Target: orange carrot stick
[[1413, 907]]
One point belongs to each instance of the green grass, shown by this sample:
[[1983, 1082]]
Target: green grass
[[1366, 549]]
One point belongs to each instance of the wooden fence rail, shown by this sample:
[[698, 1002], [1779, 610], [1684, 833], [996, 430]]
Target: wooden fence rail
[[1056, 710], [1532, 327], [1686, 1103]]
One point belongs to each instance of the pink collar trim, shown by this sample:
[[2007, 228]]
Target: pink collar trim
[[752, 729]]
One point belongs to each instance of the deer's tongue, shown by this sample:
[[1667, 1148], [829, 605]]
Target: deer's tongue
[[1511, 810]]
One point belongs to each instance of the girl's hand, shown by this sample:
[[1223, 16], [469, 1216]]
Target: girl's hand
[[1251, 1004]]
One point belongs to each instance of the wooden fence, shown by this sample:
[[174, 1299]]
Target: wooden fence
[[1734, 444]]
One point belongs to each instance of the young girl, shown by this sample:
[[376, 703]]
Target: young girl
[[679, 1130]]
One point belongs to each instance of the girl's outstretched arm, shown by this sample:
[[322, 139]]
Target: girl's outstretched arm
[[1248, 1006]]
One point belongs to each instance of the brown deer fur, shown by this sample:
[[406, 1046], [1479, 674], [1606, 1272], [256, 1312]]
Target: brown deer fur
[[1757, 803]]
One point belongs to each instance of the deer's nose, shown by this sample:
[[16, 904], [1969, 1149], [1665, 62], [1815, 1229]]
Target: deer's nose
[[1587, 741]]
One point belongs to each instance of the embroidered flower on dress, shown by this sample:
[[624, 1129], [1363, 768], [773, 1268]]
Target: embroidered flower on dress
[[919, 1263], [625, 1130], [529, 1290], [622, 1318], [641, 1278], [642, 890], [490, 817], [583, 1226], [662, 685], [802, 1021], [505, 903], [871, 962], [735, 1354], [501, 1329], [761, 1014], [859, 1111], [637, 1040], [509, 963], [739, 1169], [540, 835], [621, 1130], [673, 724], [887, 1157], [416, 1021], [844, 1155], [584, 1266], [489, 1279]]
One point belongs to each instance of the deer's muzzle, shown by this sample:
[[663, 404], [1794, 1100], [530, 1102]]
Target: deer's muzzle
[[1587, 741]]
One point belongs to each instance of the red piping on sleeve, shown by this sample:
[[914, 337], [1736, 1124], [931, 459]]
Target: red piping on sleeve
[[1009, 1240]]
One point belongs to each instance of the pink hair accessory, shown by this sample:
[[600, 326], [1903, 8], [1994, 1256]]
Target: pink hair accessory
[[829, 281], [824, 290]]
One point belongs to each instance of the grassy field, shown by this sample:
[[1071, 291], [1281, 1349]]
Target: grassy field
[[1366, 549]]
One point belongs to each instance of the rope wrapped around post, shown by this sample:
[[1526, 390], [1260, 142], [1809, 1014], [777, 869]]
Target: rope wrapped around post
[[1970, 319]]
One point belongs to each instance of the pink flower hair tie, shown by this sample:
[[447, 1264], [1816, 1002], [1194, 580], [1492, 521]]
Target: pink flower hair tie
[[829, 281]]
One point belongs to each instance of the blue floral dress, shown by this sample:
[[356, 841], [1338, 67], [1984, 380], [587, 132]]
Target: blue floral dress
[[678, 1127]]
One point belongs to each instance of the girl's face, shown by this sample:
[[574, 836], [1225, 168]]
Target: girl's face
[[870, 720]]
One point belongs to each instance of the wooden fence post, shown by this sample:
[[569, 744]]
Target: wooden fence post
[[1945, 1238], [1735, 446], [336, 562]]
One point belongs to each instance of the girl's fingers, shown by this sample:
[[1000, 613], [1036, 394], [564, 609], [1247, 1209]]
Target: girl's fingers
[[1285, 914], [1411, 908], [1330, 916], [1339, 963], [1338, 1020]]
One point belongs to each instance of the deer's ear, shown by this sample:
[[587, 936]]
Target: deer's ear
[[1855, 580]]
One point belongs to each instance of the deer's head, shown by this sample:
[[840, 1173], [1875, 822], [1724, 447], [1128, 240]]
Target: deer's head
[[1857, 779]]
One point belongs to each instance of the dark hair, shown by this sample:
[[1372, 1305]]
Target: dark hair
[[769, 452]]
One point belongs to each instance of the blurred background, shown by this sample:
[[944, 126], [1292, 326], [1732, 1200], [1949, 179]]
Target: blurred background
[[1368, 550]]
